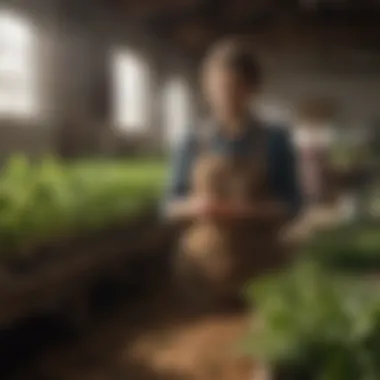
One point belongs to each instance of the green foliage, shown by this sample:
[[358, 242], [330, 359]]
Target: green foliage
[[321, 326], [354, 247], [346, 154], [52, 199]]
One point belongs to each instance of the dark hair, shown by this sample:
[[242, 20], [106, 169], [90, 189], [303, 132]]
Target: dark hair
[[238, 57]]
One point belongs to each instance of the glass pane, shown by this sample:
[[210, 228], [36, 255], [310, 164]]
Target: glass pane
[[17, 67], [130, 91]]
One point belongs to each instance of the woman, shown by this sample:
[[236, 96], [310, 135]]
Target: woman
[[255, 187]]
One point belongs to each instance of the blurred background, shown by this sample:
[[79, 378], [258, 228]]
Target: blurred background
[[94, 95]]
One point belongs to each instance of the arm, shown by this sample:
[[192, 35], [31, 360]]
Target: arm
[[184, 208], [177, 204]]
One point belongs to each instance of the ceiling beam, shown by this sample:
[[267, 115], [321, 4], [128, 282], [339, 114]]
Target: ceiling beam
[[322, 30]]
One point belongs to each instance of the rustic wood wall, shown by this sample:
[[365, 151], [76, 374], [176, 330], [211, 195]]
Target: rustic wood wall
[[76, 37], [75, 77], [351, 78]]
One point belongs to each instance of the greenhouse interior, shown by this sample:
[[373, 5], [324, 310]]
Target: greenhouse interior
[[136, 245]]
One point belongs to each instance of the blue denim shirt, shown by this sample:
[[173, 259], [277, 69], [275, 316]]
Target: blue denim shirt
[[282, 168]]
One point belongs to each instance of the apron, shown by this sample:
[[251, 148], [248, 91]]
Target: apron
[[216, 258]]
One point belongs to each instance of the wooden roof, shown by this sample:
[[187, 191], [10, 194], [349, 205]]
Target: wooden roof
[[192, 25]]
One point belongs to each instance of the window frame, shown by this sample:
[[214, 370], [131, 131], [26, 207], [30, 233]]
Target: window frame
[[26, 77]]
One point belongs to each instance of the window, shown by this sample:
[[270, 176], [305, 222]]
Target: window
[[131, 91], [17, 67], [177, 110]]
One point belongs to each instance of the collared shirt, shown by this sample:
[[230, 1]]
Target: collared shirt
[[281, 162]]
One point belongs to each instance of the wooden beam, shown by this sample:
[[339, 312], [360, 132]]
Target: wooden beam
[[152, 8], [195, 35], [312, 31]]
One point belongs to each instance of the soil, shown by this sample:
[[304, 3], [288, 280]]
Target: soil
[[151, 339]]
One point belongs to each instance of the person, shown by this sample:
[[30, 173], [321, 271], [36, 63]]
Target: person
[[254, 163]]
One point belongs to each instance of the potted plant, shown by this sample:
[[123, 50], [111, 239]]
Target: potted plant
[[311, 325]]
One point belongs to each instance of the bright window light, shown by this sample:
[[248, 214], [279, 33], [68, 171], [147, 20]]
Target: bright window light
[[17, 67], [131, 91], [177, 110], [321, 137]]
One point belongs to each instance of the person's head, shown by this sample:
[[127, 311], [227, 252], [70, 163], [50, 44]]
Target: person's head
[[231, 77]]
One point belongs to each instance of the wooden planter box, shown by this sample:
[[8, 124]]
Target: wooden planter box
[[61, 274]]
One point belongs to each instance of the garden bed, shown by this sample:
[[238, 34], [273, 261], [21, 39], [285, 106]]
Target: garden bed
[[73, 267], [312, 324], [352, 248], [53, 200], [62, 226], [322, 318], [123, 233]]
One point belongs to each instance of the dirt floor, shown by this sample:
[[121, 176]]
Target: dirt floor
[[150, 340]]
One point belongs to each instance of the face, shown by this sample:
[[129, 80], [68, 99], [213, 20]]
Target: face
[[226, 92]]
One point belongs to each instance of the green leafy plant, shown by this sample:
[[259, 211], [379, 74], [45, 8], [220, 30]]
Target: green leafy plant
[[354, 247], [311, 325], [52, 199]]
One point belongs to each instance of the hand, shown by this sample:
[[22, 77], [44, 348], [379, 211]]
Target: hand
[[239, 209], [205, 207], [193, 207], [264, 210], [209, 208]]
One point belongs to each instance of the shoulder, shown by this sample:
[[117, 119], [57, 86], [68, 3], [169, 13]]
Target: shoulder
[[202, 132], [186, 143], [185, 151]]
